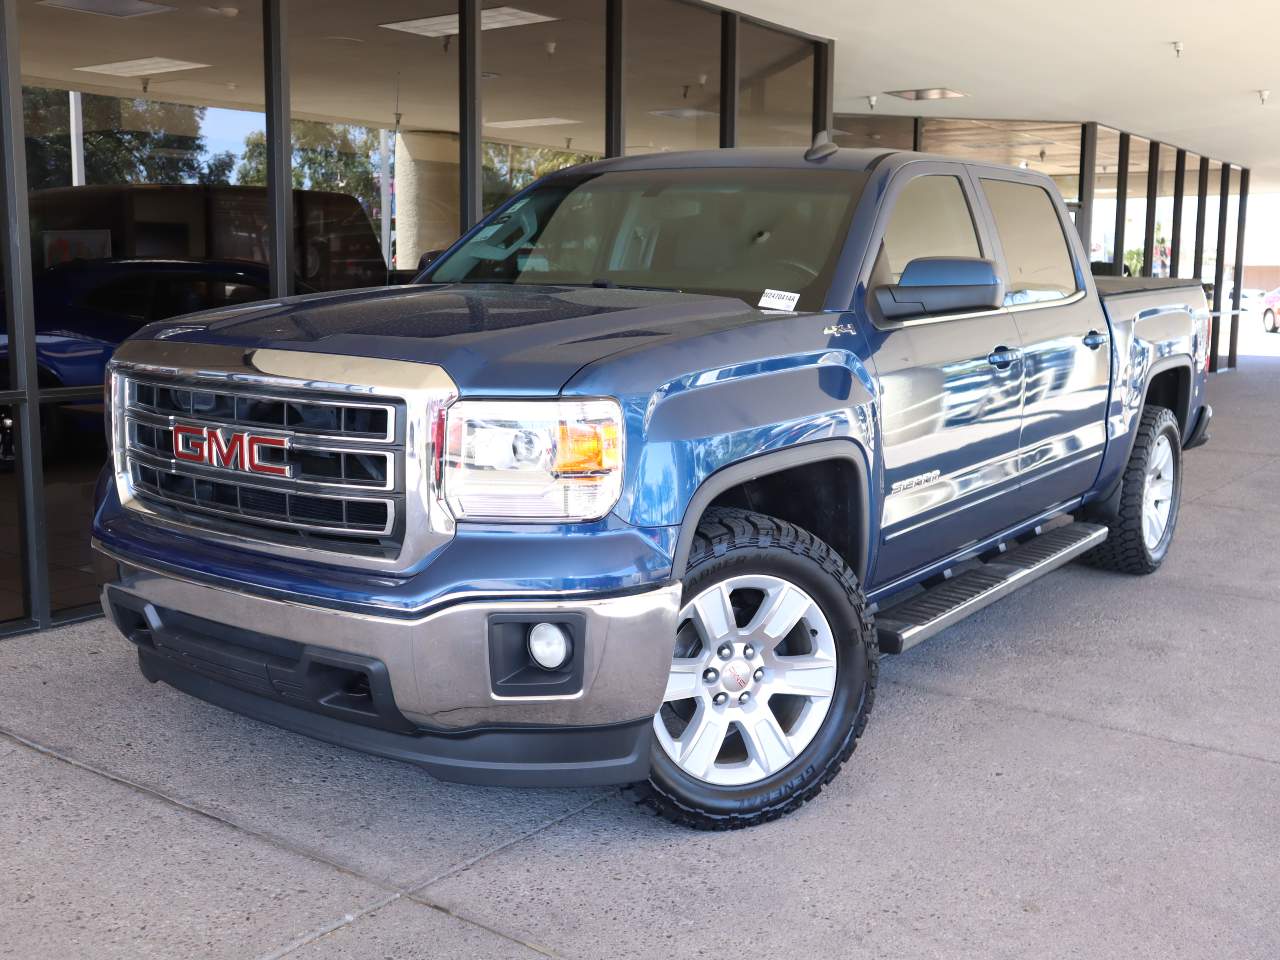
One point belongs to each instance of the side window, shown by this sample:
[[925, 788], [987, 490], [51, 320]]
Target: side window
[[128, 297], [1035, 248], [930, 218]]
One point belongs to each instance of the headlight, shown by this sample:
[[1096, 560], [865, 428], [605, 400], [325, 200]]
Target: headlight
[[532, 459]]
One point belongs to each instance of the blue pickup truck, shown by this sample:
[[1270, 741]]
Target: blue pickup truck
[[637, 481]]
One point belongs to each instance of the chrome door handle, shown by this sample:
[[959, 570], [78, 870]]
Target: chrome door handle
[[1093, 339], [1003, 357]]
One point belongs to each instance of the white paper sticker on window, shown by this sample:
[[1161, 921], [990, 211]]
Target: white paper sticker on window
[[778, 300]]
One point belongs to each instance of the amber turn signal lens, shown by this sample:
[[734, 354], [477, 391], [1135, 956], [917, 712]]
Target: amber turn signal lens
[[587, 448]]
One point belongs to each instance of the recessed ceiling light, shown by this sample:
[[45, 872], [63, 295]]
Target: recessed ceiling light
[[109, 8], [684, 113], [927, 93], [531, 122], [447, 26], [144, 67]]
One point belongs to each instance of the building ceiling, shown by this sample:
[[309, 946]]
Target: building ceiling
[[1088, 60]]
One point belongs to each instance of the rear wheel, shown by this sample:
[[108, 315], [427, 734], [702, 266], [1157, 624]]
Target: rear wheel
[[1269, 321], [1151, 491], [772, 679]]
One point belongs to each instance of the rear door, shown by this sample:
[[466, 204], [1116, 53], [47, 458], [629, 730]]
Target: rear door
[[1064, 334], [951, 385]]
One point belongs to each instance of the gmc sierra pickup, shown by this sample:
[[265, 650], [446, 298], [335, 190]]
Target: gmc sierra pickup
[[638, 479]]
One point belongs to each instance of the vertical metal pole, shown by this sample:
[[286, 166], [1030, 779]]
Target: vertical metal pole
[[1175, 241], [1122, 198], [471, 203], [384, 185], [1202, 210], [1088, 184], [917, 133], [728, 79], [823, 86], [280, 227], [615, 114], [77, 138], [1241, 217], [21, 313], [1219, 268], [1149, 227]]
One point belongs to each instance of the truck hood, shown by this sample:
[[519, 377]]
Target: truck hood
[[491, 338]]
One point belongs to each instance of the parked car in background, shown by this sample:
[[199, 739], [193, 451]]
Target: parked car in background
[[85, 308], [1270, 307]]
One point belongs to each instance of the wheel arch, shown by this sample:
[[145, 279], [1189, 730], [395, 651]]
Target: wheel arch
[[1169, 385], [789, 485]]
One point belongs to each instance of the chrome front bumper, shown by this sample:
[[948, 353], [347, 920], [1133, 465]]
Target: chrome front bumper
[[438, 665]]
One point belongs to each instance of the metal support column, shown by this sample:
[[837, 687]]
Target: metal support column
[[728, 79], [1149, 226], [1175, 241], [1202, 208], [21, 313], [471, 203], [279, 149], [1122, 196], [76, 107], [615, 114], [823, 87], [1088, 182], [1219, 268], [1238, 279]]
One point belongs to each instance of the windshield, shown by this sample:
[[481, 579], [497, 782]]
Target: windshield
[[727, 231]]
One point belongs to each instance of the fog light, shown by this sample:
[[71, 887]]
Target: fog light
[[549, 646]]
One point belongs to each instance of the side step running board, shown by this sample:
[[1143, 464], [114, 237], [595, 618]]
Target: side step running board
[[903, 626]]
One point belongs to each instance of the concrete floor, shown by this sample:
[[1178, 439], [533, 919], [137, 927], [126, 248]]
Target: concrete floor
[[1090, 768]]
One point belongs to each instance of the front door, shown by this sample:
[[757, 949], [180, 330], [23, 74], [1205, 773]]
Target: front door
[[1066, 349], [951, 387]]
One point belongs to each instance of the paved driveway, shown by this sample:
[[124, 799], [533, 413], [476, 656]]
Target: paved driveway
[[1090, 768]]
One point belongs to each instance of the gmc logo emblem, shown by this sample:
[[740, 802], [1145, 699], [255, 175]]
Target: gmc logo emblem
[[222, 447]]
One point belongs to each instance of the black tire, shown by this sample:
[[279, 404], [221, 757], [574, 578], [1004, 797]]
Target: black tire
[[1269, 321], [1125, 548], [732, 542]]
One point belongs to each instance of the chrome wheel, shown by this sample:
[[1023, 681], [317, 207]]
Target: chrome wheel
[[1157, 495], [751, 681]]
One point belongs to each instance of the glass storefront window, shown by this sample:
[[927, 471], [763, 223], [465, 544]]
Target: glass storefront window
[[375, 144], [1135, 210], [1103, 236], [153, 209], [1190, 216], [542, 94], [775, 88], [13, 586], [1049, 148], [1212, 202], [883, 132], [1161, 243], [672, 82]]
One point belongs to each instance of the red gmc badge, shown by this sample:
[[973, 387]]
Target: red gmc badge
[[228, 449]]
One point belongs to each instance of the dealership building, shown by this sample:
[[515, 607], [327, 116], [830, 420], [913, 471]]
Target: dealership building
[[164, 156]]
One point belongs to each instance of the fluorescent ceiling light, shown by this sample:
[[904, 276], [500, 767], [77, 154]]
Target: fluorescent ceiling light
[[109, 8], [531, 122], [145, 67], [447, 26], [684, 113], [927, 93]]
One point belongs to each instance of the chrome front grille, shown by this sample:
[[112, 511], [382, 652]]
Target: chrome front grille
[[345, 488]]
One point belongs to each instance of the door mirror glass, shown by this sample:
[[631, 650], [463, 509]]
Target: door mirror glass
[[930, 286]]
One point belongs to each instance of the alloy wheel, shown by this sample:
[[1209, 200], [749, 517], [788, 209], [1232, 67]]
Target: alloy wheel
[[1157, 492], [751, 682]]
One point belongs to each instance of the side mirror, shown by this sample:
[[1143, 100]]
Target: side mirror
[[428, 258], [940, 285]]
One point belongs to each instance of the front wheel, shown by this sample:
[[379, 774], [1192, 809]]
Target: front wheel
[[1150, 494], [772, 679]]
